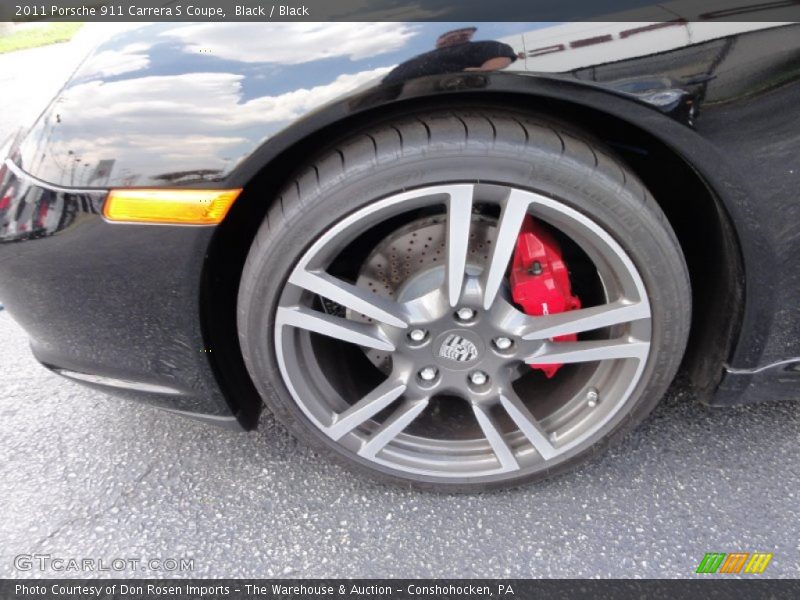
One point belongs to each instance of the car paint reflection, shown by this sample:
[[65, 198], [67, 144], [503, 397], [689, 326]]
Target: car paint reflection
[[202, 97], [158, 88]]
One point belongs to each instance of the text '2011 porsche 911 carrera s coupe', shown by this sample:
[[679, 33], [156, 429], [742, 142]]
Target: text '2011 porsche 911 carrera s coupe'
[[452, 256]]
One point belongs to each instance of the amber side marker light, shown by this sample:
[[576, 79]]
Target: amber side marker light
[[187, 207]]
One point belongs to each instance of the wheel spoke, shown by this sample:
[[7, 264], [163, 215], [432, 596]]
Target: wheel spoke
[[335, 327], [503, 452], [426, 308], [366, 408], [584, 319], [588, 351], [528, 425], [350, 296], [514, 211], [459, 220], [393, 426]]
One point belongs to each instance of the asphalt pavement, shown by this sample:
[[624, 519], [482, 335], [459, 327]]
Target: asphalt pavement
[[84, 475]]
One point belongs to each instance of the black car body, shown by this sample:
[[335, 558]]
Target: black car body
[[705, 113]]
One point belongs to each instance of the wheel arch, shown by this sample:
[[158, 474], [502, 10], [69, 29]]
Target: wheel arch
[[641, 136]]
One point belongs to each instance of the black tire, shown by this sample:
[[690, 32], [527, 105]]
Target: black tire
[[492, 145]]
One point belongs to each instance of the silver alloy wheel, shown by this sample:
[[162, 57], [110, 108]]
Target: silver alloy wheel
[[517, 435]]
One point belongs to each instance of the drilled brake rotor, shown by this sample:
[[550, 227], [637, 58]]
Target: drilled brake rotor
[[416, 248]]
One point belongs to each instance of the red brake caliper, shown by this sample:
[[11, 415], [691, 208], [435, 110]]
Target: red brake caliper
[[540, 279]]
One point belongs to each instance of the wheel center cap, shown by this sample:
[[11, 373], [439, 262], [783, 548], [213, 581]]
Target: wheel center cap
[[458, 349]]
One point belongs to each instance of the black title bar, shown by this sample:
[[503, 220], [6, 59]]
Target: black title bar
[[400, 10]]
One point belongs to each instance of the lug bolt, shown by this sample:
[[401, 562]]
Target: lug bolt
[[502, 343], [478, 377], [428, 373], [417, 335], [592, 397], [465, 314]]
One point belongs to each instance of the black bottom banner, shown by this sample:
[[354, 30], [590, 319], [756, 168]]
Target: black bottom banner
[[409, 589]]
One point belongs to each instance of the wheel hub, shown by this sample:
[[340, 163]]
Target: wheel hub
[[458, 348], [466, 365], [410, 261]]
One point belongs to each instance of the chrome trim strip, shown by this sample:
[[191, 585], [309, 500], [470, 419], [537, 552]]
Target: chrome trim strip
[[223, 421], [119, 383], [780, 363]]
